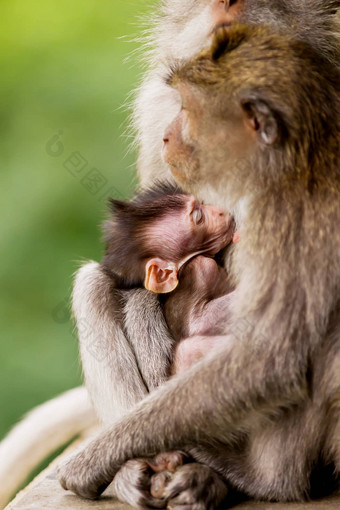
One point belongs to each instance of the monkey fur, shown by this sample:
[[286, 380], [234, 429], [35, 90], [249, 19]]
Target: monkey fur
[[173, 37], [191, 283], [263, 413]]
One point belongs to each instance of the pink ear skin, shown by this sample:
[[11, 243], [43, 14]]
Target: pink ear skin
[[160, 276], [236, 237]]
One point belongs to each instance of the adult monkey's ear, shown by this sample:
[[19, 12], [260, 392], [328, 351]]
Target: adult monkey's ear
[[262, 119], [160, 276]]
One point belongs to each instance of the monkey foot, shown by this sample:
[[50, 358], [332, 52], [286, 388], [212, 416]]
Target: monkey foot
[[164, 465], [142, 482], [194, 486], [168, 481], [132, 485], [168, 461], [159, 483]]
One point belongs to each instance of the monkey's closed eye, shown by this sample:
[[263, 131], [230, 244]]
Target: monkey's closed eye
[[197, 215]]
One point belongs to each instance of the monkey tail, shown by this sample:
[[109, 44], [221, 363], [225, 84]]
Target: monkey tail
[[43, 430]]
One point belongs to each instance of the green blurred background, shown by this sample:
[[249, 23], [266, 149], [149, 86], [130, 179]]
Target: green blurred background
[[63, 72]]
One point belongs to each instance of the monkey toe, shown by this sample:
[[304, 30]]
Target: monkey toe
[[195, 486], [133, 483], [159, 482], [168, 461]]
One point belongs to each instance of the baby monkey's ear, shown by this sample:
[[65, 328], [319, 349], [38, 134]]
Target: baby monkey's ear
[[160, 276]]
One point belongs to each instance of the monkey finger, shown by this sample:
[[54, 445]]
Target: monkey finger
[[168, 461], [159, 481], [147, 501], [175, 505], [196, 486], [132, 485]]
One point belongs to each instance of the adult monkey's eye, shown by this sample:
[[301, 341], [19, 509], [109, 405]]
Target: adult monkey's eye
[[197, 215]]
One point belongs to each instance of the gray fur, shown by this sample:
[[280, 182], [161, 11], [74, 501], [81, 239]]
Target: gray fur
[[147, 332], [264, 413], [175, 37], [260, 461], [119, 372]]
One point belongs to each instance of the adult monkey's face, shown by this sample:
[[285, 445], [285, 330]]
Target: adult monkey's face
[[203, 148], [239, 101]]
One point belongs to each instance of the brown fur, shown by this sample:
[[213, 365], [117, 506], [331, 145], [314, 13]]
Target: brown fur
[[129, 246], [175, 37], [126, 232], [265, 413]]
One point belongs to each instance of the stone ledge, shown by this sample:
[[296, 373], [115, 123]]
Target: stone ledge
[[45, 493]]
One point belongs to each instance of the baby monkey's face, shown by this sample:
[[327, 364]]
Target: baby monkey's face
[[180, 235], [194, 228], [204, 228]]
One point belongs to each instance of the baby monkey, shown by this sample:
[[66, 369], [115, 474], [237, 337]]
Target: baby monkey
[[165, 240]]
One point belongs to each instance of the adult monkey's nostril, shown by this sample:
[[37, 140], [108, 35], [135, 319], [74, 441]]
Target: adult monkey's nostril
[[167, 134]]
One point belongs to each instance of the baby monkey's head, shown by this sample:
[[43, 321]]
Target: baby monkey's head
[[151, 237]]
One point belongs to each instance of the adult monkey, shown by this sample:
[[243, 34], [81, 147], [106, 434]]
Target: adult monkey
[[269, 414], [181, 28]]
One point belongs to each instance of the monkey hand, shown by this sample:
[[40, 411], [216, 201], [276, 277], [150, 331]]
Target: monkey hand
[[136, 483], [142, 482], [82, 473], [192, 485], [132, 485], [167, 481]]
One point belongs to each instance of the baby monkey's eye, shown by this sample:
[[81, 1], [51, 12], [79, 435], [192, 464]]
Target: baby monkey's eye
[[197, 215]]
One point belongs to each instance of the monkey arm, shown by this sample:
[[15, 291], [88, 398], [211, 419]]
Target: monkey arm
[[212, 320], [122, 360], [149, 336], [109, 364], [190, 351], [224, 394]]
